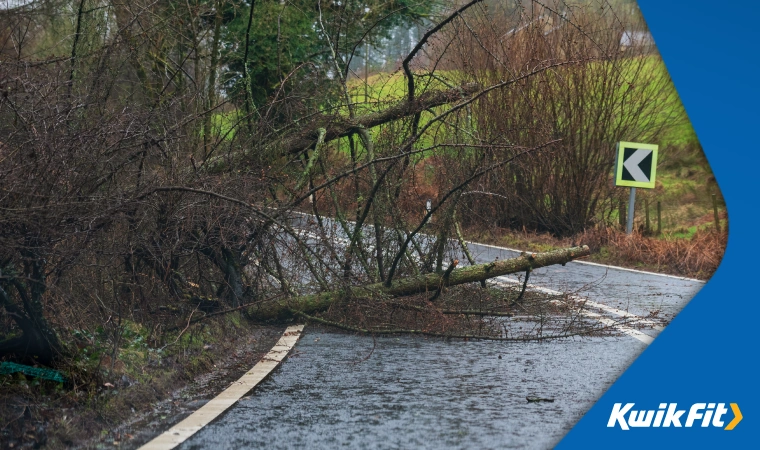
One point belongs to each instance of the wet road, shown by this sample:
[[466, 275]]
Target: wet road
[[413, 392], [636, 292], [421, 393]]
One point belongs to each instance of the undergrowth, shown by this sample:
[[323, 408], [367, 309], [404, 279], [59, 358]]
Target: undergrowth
[[111, 376], [696, 256]]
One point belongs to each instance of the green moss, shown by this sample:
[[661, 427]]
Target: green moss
[[234, 319]]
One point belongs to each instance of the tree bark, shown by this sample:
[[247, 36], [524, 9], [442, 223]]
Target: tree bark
[[310, 304], [38, 342], [337, 127]]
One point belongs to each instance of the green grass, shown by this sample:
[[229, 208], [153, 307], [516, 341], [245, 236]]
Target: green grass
[[385, 89], [684, 180], [682, 134], [224, 125]]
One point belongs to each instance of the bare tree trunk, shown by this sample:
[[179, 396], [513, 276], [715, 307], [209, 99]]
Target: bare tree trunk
[[39, 342], [212, 88], [309, 304], [337, 127]]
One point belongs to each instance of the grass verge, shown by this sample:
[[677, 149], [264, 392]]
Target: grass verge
[[697, 256], [105, 411]]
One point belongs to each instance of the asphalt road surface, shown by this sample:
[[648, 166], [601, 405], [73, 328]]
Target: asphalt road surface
[[416, 392]]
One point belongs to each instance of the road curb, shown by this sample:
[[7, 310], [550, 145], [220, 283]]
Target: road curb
[[179, 433]]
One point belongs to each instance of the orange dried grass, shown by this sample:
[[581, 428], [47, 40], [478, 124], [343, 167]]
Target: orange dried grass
[[697, 257]]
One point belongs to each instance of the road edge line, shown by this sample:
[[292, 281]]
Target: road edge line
[[182, 431], [636, 334], [578, 261]]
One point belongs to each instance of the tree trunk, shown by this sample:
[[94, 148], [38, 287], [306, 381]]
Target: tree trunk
[[337, 127], [309, 304], [38, 342]]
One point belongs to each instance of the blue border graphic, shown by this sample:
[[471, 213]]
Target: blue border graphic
[[709, 352]]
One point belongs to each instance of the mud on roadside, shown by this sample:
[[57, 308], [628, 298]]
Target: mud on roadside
[[124, 411]]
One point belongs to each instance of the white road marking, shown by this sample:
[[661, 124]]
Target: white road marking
[[645, 338], [625, 269], [625, 314], [216, 406], [578, 261], [598, 317]]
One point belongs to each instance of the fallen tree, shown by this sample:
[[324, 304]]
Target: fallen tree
[[283, 310], [84, 151], [334, 127]]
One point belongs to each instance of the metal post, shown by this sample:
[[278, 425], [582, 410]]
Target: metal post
[[631, 208]]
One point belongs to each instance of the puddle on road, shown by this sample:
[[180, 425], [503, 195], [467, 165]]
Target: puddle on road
[[414, 392]]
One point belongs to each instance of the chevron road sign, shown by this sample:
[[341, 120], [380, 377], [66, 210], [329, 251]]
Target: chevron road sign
[[635, 164]]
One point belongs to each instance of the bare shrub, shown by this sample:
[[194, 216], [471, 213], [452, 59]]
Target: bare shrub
[[138, 186], [601, 94]]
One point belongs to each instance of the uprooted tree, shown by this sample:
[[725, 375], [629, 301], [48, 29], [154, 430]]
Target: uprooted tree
[[147, 171]]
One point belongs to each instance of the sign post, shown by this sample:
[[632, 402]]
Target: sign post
[[635, 167], [631, 204]]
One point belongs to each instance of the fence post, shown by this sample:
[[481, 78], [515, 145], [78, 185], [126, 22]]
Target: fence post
[[659, 218], [715, 212], [646, 212]]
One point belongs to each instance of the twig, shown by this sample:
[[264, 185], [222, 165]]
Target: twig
[[444, 279], [184, 329], [374, 344], [524, 286], [442, 335], [226, 311], [464, 312]]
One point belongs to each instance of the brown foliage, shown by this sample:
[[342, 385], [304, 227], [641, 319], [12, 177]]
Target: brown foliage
[[596, 96], [697, 257], [121, 202]]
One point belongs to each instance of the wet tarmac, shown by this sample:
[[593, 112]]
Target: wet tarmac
[[414, 392], [410, 392], [639, 293]]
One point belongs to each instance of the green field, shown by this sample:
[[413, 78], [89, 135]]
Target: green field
[[685, 183]]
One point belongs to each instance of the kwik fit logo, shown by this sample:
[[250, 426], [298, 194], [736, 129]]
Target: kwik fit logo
[[668, 415]]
